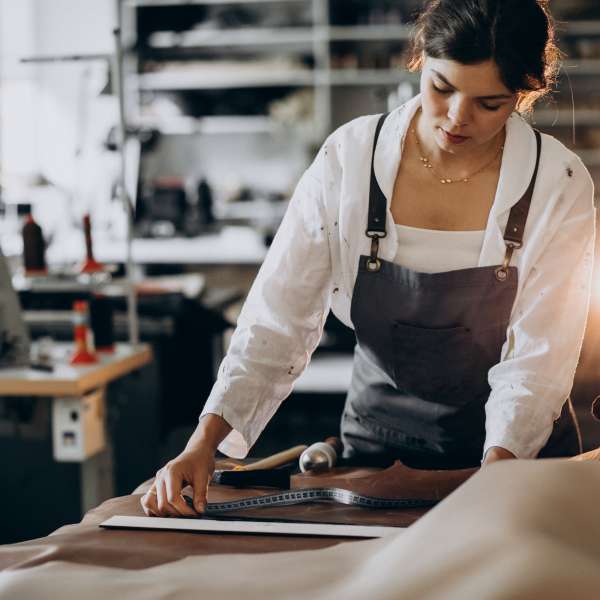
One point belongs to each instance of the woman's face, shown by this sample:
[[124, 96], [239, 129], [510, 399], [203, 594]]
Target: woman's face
[[463, 106]]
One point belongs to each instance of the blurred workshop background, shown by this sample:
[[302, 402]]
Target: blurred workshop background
[[225, 103]]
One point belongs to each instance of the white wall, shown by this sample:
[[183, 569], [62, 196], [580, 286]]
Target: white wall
[[74, 26], [17, 91], [43, 105]]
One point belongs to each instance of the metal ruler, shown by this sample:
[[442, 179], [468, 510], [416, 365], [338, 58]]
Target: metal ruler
[[292, 497]]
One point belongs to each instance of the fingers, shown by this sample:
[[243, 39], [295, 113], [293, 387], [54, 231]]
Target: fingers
[[173, 484], [149, 502], [166, 508], [200, 485], [164, 498], [155, 503]]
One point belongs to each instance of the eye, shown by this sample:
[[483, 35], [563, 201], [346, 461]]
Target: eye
[[490, 108], [440, 90]]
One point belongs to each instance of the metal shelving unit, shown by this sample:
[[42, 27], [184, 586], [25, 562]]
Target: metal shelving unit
[[322, 77], [314, 40], [142, 3]]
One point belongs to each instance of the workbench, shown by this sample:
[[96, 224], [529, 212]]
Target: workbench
[[77, 394], [87, 543], [515, 529]]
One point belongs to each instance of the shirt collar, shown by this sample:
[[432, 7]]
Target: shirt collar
[[516, 170]]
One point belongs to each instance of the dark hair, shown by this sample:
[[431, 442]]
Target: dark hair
[[517, 34]]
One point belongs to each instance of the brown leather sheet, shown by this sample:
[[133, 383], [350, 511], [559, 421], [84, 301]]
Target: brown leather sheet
[[87, 543], [517, 530]]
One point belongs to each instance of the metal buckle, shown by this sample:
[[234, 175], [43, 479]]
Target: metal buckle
[[375, 234], [502, 272], [373, 265]]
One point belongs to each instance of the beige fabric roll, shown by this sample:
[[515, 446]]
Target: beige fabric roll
[[517, 529]]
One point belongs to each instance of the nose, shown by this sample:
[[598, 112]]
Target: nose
[[458, 112]]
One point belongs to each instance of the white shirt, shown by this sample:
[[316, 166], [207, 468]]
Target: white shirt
[[313, 261], [436, 251]]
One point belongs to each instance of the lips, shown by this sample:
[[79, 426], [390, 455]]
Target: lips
[[453, 139]]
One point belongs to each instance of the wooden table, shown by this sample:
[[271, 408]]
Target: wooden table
[[78, 410]]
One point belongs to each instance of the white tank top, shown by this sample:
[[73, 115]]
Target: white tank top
[[435, 251]]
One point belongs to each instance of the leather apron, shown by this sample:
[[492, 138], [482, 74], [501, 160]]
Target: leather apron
[[425, 344]]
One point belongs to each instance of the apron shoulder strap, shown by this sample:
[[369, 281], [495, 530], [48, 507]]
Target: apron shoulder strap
[[517, 218], [377, 200]]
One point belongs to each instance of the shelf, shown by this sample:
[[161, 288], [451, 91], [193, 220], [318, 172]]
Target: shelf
[[254, 211], [564, 118], [198, 80], [184, 125], [583, 67], [250, 36], [150, 3], [361, 77], [400, 33], [580, 28], [232, 245], [218, 125], [255, 36]]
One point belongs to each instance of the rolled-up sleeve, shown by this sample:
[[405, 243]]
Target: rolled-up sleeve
[[532, 382], [281, 321]]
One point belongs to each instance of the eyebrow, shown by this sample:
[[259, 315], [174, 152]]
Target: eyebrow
[[493, 97]]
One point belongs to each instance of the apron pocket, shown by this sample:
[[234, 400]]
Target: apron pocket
[[433, 364]]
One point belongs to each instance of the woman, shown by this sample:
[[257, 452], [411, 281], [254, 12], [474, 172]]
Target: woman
[[458, 244]]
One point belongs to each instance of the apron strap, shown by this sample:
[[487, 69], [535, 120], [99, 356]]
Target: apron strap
[[513, 234], [377, 207], [515, 227]]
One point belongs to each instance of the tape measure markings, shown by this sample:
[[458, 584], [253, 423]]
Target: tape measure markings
[[292, 497]]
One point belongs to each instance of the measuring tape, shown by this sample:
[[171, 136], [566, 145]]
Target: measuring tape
[[292, 497]]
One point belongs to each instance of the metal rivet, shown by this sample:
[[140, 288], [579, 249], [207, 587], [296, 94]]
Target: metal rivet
[[373, 265], [501, 275]]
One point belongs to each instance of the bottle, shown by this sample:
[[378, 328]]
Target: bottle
[[90, 265], [33, 248]]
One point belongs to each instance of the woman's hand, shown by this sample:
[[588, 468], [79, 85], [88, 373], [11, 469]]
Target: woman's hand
[[191, 467], [496, 453], [194, 466]]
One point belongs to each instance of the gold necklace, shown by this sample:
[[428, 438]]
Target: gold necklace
[[426, 162]]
